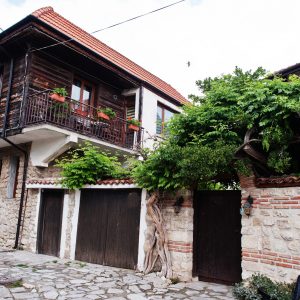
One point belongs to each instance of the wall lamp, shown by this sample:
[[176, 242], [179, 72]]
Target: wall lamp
[[246, 208], [178, 204]]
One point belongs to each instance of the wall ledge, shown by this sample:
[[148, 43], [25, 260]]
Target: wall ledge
[[283, 181]]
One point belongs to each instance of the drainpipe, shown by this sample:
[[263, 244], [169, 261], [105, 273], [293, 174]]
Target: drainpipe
[[24, 92], [23, 188], [26, 158], [8, 97]]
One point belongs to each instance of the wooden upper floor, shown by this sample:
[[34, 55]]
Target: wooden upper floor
[[45, 51]]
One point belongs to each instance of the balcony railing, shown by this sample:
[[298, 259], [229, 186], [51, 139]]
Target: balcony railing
[[80, 118]]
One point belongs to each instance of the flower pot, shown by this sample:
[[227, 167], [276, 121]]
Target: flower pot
[[133, 127], [81, 112], [102, 115], [57, 98]]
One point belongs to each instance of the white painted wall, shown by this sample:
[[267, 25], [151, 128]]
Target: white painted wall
[[64, 225], [143, 227], [36, 221], [75, 224], [150, 101]]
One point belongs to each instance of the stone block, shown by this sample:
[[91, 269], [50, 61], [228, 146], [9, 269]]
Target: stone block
[[283, 224], [287, 235], [268, 222], [250, 242]]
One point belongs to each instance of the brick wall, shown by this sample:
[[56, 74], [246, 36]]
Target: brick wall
[[180, 232], [271, 235]]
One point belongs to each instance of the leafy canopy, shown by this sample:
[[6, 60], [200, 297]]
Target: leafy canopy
[[204, 138]]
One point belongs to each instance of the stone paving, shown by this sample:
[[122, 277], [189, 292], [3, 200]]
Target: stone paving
[[47, 277]]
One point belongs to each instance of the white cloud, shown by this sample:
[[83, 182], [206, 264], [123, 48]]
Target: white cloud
[[213, 35]]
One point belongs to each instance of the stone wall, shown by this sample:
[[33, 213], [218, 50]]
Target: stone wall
[[180, 232], [271, 235], [9, 208]]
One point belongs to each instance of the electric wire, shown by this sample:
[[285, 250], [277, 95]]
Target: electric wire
[[111, 26]]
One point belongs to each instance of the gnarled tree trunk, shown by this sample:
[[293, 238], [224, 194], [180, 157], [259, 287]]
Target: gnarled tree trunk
[[159, 240]]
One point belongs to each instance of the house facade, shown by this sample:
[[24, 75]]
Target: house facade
[[104, 223]]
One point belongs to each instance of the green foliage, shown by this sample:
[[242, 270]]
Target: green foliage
[[60, 91], [248, 289], [108, 111], [133, 121], [171, 167], [86, 165], [202, 141]]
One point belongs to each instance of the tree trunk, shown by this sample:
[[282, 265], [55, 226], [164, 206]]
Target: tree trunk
[[159, 240]]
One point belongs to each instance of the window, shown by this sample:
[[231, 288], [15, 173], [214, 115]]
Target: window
[[163, 115], [13, 177], [83, 93]]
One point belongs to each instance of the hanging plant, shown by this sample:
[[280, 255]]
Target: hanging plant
[[106, 113], [59, 94]]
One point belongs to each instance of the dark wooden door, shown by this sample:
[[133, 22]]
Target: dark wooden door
[[108, 227], [217, 236], [50, 219]]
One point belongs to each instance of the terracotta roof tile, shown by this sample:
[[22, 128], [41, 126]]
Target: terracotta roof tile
[[99, 182], [50, 17]]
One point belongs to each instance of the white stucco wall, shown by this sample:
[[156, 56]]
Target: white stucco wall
[[150, 101]]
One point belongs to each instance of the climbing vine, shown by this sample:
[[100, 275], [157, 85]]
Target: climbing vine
[[86, 165]]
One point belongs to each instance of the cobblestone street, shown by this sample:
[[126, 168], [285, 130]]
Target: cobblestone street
[[47, 277]]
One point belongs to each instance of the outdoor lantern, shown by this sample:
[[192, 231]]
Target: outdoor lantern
[[178, 204], [246, 209]]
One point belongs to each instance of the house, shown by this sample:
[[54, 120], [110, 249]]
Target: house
[[104, 223]]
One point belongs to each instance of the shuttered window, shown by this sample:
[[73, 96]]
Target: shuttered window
[[13, 177]]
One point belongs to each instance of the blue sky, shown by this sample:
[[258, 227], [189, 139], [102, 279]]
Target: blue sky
[[213, 35]]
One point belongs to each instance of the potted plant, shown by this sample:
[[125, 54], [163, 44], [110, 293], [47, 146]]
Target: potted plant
[[106, 113], [133, 124], [59, 94]]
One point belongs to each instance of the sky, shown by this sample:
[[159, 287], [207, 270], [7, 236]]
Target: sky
[[214, 36]]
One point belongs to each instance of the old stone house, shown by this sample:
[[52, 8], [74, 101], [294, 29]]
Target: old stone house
[[106, 223]]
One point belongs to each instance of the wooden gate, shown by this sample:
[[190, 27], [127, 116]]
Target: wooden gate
[[217, 236], [108, 227], [50, 219]]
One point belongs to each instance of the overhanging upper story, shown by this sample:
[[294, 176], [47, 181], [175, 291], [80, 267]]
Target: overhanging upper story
[[45, 51]]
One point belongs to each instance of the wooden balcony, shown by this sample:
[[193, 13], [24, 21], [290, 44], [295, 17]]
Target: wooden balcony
[[82, 119]]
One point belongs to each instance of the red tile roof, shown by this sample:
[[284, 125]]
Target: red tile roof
[[50, 17], [99, 182]]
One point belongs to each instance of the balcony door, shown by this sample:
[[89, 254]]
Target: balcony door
[[83, 94]]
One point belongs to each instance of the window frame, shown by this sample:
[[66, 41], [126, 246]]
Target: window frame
[[12, 184], [84, 83], [163, 108]]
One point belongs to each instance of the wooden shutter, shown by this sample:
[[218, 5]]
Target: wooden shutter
[[13, 176]]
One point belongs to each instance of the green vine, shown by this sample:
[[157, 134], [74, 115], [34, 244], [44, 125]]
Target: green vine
[[86, 165]]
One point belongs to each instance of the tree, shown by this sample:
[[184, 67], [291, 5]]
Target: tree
[[242, 118]]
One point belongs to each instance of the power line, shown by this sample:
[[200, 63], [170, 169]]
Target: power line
[[1, 29], [114, 25]]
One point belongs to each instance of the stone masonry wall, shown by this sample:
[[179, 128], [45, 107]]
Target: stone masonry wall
[[9, 207], [180, 233], [271, 235]]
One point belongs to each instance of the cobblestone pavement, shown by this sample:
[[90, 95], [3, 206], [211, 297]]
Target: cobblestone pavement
[[47, 277]]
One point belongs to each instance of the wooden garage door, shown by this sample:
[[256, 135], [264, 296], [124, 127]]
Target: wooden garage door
[[108, 227], [50, 219], [217, 236]]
